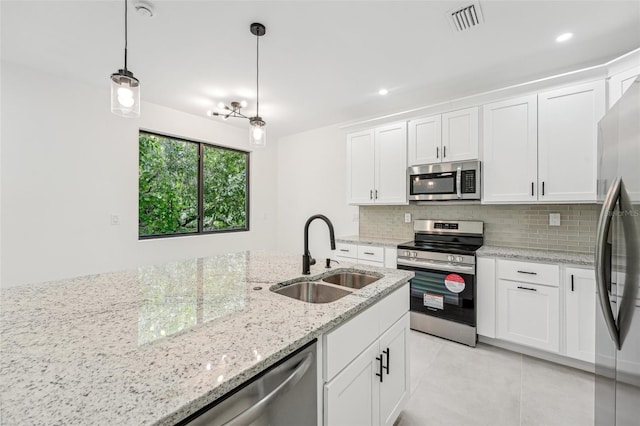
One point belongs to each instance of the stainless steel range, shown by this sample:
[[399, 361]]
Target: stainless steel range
[[443, 290]]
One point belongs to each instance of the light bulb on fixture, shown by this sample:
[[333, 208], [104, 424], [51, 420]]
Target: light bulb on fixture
[[257, 132], [125, 88]]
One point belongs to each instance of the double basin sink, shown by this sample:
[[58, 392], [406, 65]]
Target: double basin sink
[[329, 288]]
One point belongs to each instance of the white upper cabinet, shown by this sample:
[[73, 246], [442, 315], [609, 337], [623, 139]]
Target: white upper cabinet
[[391, 164], [542, 147], [460, 135], [620, 82], [377, 165], [567, 137], [425, 140], [360, 170], [509, 154], [452, 136]]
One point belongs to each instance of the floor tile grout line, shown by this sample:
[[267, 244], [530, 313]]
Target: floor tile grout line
[[521, 385]]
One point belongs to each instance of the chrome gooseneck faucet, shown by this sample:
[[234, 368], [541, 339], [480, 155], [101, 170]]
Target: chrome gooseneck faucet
[[307, 260]]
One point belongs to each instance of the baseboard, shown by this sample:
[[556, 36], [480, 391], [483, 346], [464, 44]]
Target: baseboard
[[547, 356]]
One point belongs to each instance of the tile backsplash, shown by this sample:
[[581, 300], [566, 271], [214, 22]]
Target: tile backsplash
[[525, 226]]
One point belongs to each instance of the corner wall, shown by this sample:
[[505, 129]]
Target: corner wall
[[312, 172], [68, 164]]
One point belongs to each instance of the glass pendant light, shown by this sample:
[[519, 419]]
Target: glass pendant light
[[257, 130], [125, 88]]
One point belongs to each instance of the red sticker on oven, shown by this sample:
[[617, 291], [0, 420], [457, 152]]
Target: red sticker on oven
[[454, 283]]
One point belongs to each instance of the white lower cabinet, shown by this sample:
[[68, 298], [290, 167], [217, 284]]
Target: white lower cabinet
[[551, 307], [486, 297], [352, 397], [394, 383], [366, 254], [580, 299], [528, 314], [372, 387]]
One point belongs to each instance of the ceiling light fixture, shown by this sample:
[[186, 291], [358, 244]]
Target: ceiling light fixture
[[257, 131], [383, 92], [564, 37], [125, 88]]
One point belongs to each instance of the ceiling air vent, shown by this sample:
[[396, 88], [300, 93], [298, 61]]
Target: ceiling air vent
[[466, 17]]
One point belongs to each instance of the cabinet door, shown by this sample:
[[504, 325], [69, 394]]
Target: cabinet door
[[620, 82], [351, 398], [394, 388], [486, 296], [509, 150], [360, 167], [391, 164], [425, 138], [528, 314], [580, 292], [460, 135], [567, 136]]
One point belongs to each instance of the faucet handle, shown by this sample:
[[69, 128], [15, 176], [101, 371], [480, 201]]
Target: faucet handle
[[312, 261]]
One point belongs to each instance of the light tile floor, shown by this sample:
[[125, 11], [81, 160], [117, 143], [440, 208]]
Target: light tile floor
[[453, 384]]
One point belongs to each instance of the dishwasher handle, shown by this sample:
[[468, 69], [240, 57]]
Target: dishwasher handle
[[252, 413]]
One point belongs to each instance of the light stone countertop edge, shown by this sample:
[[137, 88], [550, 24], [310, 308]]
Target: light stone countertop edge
[[377, 241], [527, 254]]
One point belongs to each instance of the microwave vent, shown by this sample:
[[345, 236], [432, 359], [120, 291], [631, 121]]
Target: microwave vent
[[466, 17]]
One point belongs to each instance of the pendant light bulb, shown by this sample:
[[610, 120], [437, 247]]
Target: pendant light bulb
[[257, 132], [125, 88]]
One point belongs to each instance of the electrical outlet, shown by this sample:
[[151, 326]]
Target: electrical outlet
[[554, 219], [115, 219], [407, 218]]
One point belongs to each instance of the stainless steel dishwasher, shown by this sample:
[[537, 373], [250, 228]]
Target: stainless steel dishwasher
[[283, 395]]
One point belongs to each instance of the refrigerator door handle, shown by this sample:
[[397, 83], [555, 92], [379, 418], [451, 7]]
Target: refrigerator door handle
[[604, 224]]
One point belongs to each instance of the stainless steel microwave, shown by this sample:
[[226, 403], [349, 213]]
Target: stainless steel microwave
[[444, 181]]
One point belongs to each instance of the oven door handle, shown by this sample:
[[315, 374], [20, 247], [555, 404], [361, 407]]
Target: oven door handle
[[459, 181], [446, 267]]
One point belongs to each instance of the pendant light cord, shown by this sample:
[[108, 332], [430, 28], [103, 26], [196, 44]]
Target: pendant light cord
[[257, 74], [125, 34]]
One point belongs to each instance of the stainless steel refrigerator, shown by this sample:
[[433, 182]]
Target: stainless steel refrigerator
[[617, 387]]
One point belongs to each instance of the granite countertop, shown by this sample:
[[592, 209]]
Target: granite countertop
[[155, 344], [536, 255], [378, 241]]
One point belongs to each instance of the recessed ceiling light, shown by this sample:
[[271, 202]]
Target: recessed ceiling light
[[383, 92], [564, 37]]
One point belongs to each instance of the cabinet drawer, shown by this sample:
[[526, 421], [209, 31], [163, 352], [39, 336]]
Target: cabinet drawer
[[347, 250], [537, 273], [371, 253]]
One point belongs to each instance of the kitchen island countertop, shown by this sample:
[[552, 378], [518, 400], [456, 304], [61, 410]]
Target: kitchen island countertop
[[155, 344]]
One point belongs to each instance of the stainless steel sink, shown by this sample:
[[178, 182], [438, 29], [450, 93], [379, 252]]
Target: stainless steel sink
[[355, 280], [312, 292]]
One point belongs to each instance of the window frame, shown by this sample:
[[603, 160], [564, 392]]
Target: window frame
[[200, 187]]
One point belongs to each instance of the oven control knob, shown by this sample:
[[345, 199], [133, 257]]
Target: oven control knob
[[458, 258], [450, 258], [415, 254], [407, 253]]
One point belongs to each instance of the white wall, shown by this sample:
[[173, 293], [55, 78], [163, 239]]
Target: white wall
[[312, 174], [67, 164]]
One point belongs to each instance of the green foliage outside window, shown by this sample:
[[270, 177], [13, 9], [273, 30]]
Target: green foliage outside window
[[168, 198]]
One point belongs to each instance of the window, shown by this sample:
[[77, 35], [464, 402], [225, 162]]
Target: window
[[188, 187]]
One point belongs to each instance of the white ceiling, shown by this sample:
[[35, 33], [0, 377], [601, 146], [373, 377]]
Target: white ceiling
[[322, 62]]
